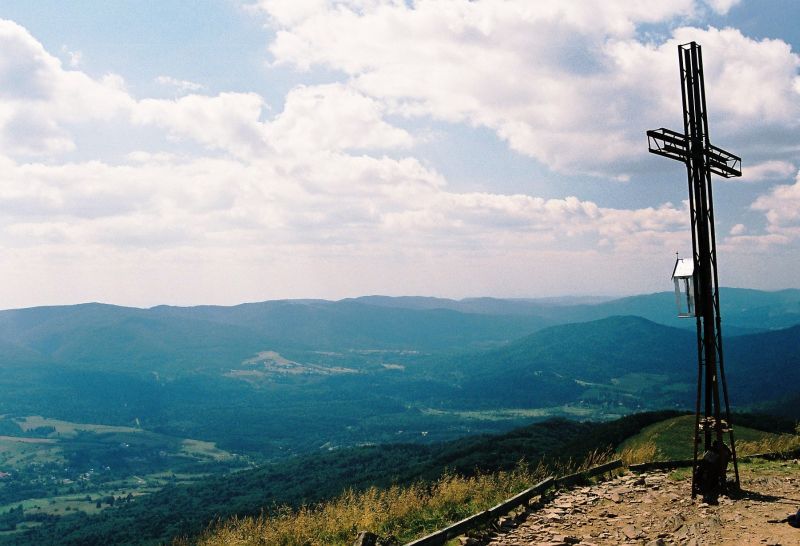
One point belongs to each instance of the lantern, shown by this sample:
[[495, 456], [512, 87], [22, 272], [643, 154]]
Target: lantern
[[683, 276]]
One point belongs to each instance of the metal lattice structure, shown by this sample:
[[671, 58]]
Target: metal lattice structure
[[702, 159]]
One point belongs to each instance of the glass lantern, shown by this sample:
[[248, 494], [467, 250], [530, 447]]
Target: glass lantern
[[683, 276]]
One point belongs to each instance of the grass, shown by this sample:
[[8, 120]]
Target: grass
[[509, 414], [639, 452], [16, 451], [413, 511], [672, 439], [775, 443], [401, 512], [64, 504], [23, 454], [199, 449], [68, 428]]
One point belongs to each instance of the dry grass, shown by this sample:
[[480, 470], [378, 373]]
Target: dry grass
[[411, 511], [781, 443], [640, 453], [403, 512]]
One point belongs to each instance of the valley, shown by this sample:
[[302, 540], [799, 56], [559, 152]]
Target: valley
[[51, 468], [110, 410]]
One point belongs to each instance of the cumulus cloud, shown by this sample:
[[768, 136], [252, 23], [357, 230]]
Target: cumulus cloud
[[332, 180], [34, 81], [768, 170], [567, 84], [229, 121], [38, 96], [738, 229], [781, 206], [333, 117], [343, 201], [722, 6]]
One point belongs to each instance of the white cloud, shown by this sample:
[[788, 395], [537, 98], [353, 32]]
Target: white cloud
[[181, 85], [565, 83], [287, 12], [308, 195], [40, 102], [722, 6], [345, 201], [343, 223], [781, 206], [748, 81], [74, 57], [38, 96], [333, 117], [229, 121], [768, 170]]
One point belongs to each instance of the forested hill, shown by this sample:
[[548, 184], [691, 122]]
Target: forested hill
[[370, 322], [263, 395], [264, 383], [187, 510], [625, 360]]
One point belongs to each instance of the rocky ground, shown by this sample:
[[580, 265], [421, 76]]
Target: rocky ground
[[655, 508]]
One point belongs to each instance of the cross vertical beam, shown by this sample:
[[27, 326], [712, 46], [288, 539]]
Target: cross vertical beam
[[701, 158]]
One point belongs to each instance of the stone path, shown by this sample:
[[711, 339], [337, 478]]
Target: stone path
[[654, 510]]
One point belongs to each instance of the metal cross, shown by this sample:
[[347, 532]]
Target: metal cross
[[701, 159]]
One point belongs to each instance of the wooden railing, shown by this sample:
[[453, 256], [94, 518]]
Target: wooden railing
[[441, 536], [481, 518]]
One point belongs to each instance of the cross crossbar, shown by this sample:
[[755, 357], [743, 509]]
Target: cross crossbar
[[673, 145]]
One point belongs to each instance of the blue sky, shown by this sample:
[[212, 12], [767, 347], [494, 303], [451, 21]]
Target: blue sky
[[219, 152]]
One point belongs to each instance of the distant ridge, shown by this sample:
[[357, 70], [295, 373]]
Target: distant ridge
[[743, 310]]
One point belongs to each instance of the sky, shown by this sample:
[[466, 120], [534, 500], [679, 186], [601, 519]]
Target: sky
[[223, 151]]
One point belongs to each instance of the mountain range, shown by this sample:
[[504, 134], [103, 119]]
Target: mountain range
[[281, 376], [190, 392]]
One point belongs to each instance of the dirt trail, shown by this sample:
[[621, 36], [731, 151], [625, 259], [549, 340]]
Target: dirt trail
[[655, 509]]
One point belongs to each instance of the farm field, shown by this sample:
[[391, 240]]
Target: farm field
[[51, 468]]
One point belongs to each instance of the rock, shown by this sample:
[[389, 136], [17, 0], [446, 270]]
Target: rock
[[674, 522], [469, 541], [506, 522], [657, 542], [631, 532], [365, 538], [640, 481]]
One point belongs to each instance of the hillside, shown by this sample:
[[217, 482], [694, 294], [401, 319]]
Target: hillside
[[625, 361], [119, 366], [254, 383], [179, 510], [185, 510], [672, 438]]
